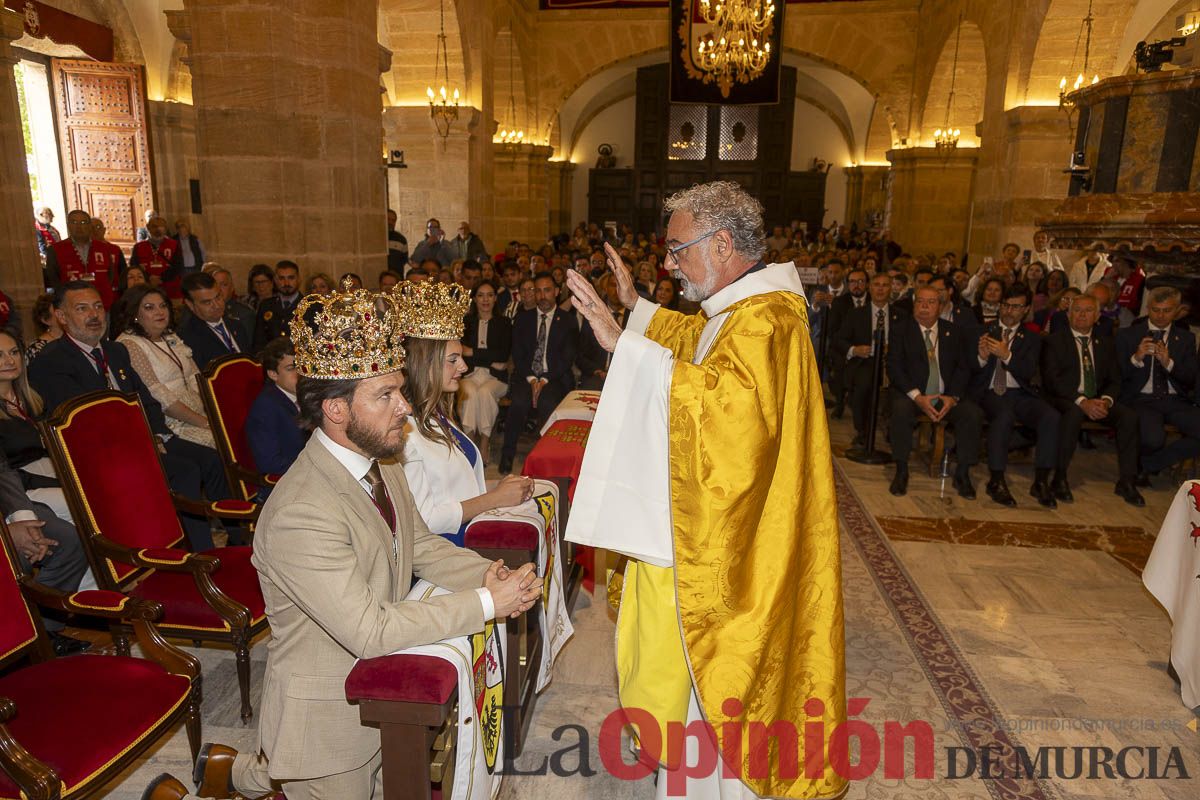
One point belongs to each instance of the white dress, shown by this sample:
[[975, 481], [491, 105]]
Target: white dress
[[440, 478], [169, 373], [479, 393]]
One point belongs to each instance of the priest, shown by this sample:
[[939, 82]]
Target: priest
[[708, 465]]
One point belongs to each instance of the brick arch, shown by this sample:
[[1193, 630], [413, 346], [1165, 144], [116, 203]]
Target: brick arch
[[970, 84]]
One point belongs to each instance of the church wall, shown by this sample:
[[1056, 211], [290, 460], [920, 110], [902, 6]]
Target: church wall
[[173, 146], [614, 125], [815, 135]]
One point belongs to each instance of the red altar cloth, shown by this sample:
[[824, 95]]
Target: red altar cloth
[[559, 454]]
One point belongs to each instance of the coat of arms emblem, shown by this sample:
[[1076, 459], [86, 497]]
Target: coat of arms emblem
[[33, 22]]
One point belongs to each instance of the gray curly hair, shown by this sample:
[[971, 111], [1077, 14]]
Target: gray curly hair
[[724, 205]]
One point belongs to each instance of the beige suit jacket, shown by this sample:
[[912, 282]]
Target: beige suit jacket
[[334, 593]]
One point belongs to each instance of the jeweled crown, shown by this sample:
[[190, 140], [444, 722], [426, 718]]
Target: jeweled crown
[[347, 335], [431, 310]]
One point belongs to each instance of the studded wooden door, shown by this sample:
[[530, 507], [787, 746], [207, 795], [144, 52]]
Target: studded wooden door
[[104, 143]]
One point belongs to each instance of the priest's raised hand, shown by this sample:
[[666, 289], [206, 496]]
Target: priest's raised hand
[[595, 310]]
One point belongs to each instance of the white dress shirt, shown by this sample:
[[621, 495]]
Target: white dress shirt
[[357, 465], [543, 367], [1149, 387], [1010, 382]]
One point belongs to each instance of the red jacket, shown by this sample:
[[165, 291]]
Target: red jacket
[[103, 263], [1131, 291], [161, 263]]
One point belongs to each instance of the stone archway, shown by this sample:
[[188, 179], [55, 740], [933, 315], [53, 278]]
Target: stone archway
[[969, 81], [1059, 52]]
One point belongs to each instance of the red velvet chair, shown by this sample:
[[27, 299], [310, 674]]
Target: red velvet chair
[[228, 386], [125, 512], [69, 725]]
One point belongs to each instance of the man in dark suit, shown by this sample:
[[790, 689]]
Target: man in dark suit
[[1158, 375], [208, 331], [1081, 379], [234, 307], [921, 277], [276, 311], [81, 361], [43, 540], [545, 341], [929, 367], [854, 344], [593, 359], [272, 427], [839, 309], [1003, 387]]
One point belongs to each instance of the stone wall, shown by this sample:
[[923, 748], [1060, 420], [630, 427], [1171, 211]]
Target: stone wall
[[930, 204], [173, 156]]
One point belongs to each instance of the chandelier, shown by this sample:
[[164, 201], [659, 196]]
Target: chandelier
[[511, 136], [945, 138], [1084, 38], [443, 105], [737, 46]]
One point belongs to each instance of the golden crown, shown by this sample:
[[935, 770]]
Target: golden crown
[[347, 335], [431, 310]]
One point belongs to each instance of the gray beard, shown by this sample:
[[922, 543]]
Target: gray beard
[[692, 291]]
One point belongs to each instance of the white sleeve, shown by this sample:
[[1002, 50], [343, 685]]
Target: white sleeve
[[639, 318], [441, 514], [489, 605]]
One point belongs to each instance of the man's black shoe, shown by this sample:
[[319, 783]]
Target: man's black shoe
[[1129, 493], [1143, 480], [1062, 490], [899, 485], [66, 645], [1040, 491], [997, 489], [964, 487]]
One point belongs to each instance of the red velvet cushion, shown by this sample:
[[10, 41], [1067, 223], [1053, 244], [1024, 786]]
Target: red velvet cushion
[[505, 535], [235, 384], [81, 713], [406, 678], [16, 624], [234, 507], [113, 456], [184, 607]]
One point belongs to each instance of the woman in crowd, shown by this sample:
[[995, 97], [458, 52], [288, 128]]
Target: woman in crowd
[[443, 466], [1032, 277], [131, 277], [1055, 281], [666, 294], [163, 362], [46, 323], [1054, 313], [260, 284], [987, 310], [319, 284], [646, 279], [486, 346]]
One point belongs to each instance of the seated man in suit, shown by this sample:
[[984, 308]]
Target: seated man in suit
[[1158, 376], [1081, 379], [42, 539], [929, 366], [276, 311], [1003, 388], [544, 344], [81, 361], [854, 344], [234, 307], [594, 359], [336, 549], [272, 427], [208, 330]]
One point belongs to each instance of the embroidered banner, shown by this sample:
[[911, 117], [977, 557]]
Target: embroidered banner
[[46, 22], [691, 84]]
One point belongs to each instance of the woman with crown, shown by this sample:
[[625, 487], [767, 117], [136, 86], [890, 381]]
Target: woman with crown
[[443, 466]]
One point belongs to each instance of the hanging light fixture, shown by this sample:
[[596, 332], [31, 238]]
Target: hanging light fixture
[[1084, 38], [737, 47], [945, 138], [443, 104], [511, 136]]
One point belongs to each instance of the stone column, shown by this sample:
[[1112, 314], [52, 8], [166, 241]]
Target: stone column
[[288, 136], [20, 268], [931, 198], [173, 141], [866, 194], [562, 181], [522, 204]]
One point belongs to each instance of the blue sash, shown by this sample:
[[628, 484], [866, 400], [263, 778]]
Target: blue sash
[[472, 453]]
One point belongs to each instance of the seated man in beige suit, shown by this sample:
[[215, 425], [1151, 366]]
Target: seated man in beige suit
[[336, 548]]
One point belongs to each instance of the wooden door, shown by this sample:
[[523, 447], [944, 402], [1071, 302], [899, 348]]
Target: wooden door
[[104, 142]]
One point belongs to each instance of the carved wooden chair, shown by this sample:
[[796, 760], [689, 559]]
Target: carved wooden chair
[[69, 725], [228, 386], [125, 512]]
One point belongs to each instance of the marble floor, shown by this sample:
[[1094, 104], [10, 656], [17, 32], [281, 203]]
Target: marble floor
[[1008, 628]]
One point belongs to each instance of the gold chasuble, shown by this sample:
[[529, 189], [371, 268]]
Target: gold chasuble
[[750, 614]]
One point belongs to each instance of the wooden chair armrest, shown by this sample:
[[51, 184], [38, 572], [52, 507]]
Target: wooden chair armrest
[[211, 510], [95, 602], [37, 780], [166, 559]]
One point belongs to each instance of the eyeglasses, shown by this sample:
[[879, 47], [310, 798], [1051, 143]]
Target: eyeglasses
[[1013, 306], [673, 252]]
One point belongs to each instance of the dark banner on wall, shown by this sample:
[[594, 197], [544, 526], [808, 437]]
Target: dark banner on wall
[[46, 22], [690, 83], [551, 5]]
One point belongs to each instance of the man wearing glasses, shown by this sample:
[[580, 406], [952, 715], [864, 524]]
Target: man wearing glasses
[[1002, 385], [708, 465]]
